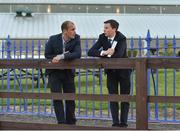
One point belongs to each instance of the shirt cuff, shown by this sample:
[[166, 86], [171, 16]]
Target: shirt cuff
[[102, 53], [60, 57]]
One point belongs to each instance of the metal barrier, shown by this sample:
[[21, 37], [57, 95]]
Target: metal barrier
[[87, 80]]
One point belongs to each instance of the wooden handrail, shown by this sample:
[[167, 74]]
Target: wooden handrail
[[4, 125], [123, 63], [67, 96], [164, 99], [139, 64], [113, 63]]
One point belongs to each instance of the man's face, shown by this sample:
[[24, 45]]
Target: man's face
[[71, 31], [108, 30]]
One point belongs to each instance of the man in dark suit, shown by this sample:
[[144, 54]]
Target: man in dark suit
[[112, 44], [63, 46]]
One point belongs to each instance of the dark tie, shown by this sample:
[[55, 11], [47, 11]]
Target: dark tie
[[110, 41]]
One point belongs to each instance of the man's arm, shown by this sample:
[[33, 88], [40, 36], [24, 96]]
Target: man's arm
[[76, 51], [48, 49], [95, 49]]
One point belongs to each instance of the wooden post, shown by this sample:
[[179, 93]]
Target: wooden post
[[141, 95]]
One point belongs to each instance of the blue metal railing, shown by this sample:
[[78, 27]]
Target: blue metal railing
[[34, 80]]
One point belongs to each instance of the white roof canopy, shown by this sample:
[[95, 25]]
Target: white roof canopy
[[88, 25]]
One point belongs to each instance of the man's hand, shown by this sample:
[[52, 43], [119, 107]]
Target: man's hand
[[55, 59], [110, 51], [58, 58], [104, 53]]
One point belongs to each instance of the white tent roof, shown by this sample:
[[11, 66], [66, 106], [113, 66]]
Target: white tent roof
[[88, 25], [142, 2]]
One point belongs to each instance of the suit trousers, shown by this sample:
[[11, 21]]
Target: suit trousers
[[63, 83], [113, 79]]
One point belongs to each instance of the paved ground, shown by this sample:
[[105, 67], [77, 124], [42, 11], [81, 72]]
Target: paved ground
[[84, 122]]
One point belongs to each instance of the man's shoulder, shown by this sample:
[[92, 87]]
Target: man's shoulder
[[54, 37], [77, 36], [120, 35], [102, 36]]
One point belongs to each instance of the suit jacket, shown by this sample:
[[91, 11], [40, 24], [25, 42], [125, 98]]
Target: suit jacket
[[54, 47], [120, 51]]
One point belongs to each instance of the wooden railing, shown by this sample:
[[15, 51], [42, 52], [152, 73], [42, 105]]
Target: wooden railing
[[141, 98]]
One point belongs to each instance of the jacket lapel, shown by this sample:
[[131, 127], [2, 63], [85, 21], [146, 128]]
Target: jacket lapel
[[116, 38], [107, 44], [60, 43]]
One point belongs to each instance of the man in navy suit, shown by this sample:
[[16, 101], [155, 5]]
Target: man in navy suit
[[63, 46], [112, 44]]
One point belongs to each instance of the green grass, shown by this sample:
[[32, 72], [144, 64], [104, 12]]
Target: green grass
[[93, 90]]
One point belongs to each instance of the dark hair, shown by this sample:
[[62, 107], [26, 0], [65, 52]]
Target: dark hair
[[65, 25], [113, 23]]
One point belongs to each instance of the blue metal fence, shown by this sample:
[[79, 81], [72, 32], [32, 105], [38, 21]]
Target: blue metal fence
[[89, 81]]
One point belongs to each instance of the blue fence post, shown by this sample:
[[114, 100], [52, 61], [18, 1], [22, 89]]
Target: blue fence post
[[174, 46], [8, 47], [14, 110], [8, 72], [2, 76], [26, 57], [93, 85], [165, 46], [101, 86], [157, 46], [32, 51], [15, 49], [132, 77], [174, 80], [148, 40], [165, 77], [132, 46], [20, 73], [38, 80], [140, 46], [45, 86], [86, 103], [157, 79], [79, 90]]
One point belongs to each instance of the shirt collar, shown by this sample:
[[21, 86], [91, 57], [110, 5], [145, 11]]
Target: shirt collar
[[112, 38], [64, 40]]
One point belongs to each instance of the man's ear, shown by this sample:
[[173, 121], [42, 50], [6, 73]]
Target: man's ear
[[65, 32], [114, 29]]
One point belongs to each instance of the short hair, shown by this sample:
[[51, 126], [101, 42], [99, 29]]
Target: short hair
[[113, 23], [65, 25]]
